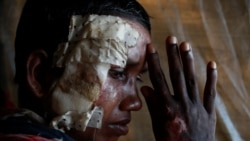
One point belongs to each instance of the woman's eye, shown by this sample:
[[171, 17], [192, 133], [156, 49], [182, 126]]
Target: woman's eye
[[118, 74]]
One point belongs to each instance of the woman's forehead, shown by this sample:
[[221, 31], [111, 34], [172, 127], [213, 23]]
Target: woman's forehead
[[98, 38], [104, 39], [138, 52]]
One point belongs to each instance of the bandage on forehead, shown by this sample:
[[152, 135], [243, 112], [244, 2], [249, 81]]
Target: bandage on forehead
[[98, 36], [93, 40]]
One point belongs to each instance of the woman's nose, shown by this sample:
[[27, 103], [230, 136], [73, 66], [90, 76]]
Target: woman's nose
[[131, 100]]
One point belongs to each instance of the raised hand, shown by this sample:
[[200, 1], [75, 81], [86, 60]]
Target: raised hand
[[181, 116]]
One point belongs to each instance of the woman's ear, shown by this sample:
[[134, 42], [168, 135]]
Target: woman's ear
[[35, 71]]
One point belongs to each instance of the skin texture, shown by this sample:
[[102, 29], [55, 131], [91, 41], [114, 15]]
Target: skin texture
[[181, 116]]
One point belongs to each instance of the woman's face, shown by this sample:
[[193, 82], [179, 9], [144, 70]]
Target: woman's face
[[119, 94]]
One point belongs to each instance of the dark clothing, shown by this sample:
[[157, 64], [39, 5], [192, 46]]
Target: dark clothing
[[25, 125]]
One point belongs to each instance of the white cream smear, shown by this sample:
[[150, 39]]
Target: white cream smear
[[94, 43]]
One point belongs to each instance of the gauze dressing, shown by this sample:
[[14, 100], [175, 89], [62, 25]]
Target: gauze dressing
[[94, 43]]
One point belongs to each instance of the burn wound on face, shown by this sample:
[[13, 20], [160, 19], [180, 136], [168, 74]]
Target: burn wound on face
[[94, 43], [84, 82]]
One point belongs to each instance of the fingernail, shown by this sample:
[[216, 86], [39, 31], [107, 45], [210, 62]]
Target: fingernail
[[185, 46], [172, 40], [151, 48], [212, 65]]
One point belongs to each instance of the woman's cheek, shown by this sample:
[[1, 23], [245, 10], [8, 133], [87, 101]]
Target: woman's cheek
[[109, 93]]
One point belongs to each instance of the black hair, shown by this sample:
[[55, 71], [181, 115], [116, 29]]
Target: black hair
[[44, 23]]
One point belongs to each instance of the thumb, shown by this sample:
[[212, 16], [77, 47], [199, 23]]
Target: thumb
[[148, 94], [147, 91]]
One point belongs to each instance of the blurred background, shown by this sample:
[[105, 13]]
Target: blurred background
[[216, 29]]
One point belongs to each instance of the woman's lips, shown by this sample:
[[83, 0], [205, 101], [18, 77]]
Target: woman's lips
[[120, 127]]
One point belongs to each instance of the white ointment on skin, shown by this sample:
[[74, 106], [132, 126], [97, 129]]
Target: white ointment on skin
[[95, 42]]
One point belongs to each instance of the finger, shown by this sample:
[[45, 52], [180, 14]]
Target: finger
[[210, 88], [157, 77], [155, 107], [152, 102], [189, 72], [176, 71]]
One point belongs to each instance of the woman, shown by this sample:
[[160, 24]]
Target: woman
[[77, 65]]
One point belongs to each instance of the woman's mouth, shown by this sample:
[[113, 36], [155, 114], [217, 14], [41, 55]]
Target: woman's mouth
[[120, 127]]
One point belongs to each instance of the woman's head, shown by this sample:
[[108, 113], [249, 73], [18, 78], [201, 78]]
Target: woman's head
[[118, 95], [75, 75]]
